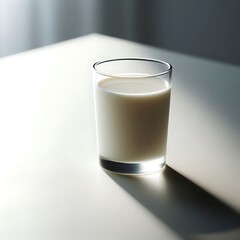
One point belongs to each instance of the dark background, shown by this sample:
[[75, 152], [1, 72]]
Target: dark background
[[205, 28]]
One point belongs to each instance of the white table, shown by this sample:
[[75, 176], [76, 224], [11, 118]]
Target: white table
[[51, 185]]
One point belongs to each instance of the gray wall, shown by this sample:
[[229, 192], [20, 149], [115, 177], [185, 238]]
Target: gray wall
[[205, 28]]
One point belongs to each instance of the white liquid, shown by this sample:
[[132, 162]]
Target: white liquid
[[132, 118]]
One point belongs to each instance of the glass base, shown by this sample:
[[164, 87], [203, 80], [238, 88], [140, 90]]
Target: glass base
[[143, 167]]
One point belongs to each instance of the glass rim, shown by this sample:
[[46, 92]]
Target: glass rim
[[168, 65]]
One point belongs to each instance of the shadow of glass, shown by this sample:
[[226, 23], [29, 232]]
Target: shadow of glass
[[183, 206]]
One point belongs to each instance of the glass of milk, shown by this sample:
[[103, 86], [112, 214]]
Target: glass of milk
[[132, 97]]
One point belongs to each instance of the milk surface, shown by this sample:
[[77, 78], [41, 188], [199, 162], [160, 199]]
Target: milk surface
[[132, 118]]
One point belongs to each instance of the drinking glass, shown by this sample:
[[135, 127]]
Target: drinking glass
[[132, 98]]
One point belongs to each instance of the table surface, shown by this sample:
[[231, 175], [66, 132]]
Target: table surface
[[51, 185]]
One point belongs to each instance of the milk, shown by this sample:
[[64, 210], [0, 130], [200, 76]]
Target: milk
[[132, 118]]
